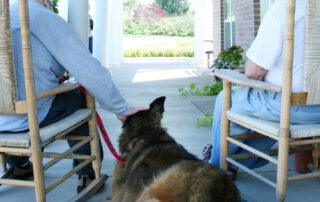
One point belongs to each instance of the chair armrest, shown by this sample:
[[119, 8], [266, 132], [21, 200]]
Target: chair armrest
[[58, 90], [240, 79]]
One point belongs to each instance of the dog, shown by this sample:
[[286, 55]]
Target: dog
[[158, 169]]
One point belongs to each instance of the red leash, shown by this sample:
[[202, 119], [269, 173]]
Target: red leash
[[108, 141], [105, 135], [102, 129]]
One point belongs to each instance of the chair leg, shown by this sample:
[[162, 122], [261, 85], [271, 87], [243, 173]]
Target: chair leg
[[316, 155], [225, 126], [3, 162], [282, 171], [31, 103], [94, 143], [208, 60], [95, 151], [38, 172]]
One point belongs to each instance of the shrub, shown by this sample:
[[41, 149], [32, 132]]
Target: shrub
[[174, 7], [135, 28], [146, 12], [169, 26]]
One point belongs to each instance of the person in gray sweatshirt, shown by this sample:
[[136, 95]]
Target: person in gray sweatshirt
[[56, 48]]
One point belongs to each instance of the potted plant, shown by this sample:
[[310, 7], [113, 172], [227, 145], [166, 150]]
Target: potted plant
[[230, 59]]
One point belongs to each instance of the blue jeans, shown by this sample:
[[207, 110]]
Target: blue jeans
[[260, 104], [64, 105]]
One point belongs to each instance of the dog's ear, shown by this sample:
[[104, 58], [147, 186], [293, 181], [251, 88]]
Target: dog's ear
[[157, 106]]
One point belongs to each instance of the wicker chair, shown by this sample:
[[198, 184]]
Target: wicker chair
[[30, 143], [288, 136]]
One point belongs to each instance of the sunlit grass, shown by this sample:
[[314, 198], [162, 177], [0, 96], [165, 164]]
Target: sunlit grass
[[158, 46]]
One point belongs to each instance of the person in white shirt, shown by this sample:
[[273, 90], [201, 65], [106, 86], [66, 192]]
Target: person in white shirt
[[265, 62]]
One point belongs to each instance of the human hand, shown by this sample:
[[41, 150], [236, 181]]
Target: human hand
[[131, 111]]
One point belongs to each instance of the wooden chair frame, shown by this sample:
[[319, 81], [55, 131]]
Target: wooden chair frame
[[29, 107], [209, 53], [284, 139]]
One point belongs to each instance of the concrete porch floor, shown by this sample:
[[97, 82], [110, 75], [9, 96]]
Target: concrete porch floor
[[140, 84]]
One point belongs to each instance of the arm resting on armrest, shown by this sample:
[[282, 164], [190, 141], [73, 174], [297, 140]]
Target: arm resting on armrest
[[240, 79], [254, 71]]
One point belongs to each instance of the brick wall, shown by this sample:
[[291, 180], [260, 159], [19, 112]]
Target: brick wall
[[218, 31], [247, 14]]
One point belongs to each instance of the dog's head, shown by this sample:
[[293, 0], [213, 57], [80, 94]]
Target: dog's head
[[144, 126]]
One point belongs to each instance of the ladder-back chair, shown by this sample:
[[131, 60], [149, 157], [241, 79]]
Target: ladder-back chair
[[287, 135], [31, 143]]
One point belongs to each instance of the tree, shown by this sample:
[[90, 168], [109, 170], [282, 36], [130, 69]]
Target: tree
[[174, 7]]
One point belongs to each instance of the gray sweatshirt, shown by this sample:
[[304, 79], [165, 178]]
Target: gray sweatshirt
[[55, 48]]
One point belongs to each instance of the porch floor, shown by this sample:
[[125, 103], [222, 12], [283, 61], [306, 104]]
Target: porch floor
[[140, 84]]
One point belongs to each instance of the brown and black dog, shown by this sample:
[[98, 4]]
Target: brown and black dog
[[159, 169]]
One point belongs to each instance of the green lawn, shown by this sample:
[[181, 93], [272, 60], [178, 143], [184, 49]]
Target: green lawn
[[158, 46]]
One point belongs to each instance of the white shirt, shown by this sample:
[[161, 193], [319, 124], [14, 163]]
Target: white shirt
[[267, 50]]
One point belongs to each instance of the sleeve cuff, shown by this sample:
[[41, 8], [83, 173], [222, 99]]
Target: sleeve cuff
[[256, 61], [123, 111]]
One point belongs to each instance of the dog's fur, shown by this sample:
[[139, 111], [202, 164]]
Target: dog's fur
[[159, 169]]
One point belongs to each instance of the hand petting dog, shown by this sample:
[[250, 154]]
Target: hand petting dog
[[131, 111]]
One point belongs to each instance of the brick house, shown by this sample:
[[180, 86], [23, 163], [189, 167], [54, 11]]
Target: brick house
[[236, 22]]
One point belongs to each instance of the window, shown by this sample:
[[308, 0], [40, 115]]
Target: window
[[229, 23]]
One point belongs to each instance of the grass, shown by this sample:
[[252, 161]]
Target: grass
[[158, 46], [158, 53]]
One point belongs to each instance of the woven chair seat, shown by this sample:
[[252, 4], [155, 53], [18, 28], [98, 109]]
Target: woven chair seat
[[22, 140], [273, 128]]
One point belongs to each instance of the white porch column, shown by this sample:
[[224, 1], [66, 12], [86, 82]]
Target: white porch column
[[63, 9], [78, 17], [203, 29], [108, 31], [100, 10], [115, 33]]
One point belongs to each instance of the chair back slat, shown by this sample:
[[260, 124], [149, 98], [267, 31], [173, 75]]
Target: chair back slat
[[7, 71], [311, 78]]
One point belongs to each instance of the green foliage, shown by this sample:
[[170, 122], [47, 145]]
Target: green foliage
[[205, 121], [55, 6], [168, 26], [128, 4], [150, 52], [229, 59], [174, 7], [207, 90]]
